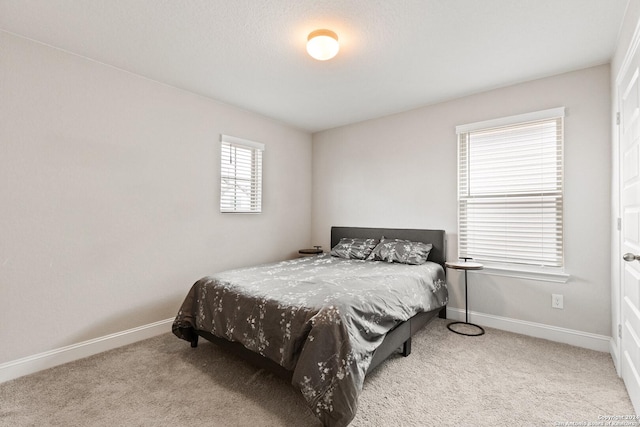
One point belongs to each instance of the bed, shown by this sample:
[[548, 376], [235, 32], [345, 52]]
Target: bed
[[322, 322]]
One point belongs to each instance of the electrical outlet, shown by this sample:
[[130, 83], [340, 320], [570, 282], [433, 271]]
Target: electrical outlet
[[557, 301]]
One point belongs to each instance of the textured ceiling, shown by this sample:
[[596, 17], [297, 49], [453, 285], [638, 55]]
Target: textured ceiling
[[395, 54]]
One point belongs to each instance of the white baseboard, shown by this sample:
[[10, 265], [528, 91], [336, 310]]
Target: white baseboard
[[49, 359], [538, 330]]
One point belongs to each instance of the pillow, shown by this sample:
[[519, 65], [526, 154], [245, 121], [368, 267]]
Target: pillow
[[354, 248], [402, 251]]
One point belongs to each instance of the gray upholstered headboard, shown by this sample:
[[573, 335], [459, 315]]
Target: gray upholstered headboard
[[436, 237]]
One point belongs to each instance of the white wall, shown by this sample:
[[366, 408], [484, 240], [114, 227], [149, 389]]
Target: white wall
[[400, 171], [109, 197]]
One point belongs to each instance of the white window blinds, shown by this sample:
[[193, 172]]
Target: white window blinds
[[510, 199], [240, 175]]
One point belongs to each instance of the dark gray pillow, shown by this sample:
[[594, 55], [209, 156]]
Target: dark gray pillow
[[402, 251], [354, 248]]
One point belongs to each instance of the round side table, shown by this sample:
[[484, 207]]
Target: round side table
[[466, 266]]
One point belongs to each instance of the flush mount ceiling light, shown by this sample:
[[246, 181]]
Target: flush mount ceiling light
[[322, 44]]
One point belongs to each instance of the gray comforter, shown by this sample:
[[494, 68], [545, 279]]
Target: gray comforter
[[321, 317]]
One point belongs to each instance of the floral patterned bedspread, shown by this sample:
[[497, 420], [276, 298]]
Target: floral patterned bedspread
[[321, 317]]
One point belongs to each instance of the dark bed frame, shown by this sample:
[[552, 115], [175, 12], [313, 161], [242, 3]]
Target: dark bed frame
[[397, 338]]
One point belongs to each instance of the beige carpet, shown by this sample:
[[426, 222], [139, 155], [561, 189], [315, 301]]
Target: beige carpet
[[499, 379]]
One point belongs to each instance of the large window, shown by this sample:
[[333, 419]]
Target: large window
[[240, 175], [510, 190]]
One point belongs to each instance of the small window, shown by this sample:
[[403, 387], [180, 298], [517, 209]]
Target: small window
[[240, 175], [510, 189]]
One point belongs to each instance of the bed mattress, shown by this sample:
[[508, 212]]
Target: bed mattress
[[321, 317]]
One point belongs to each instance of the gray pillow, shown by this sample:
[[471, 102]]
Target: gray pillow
[[402, 251], [354, 248]]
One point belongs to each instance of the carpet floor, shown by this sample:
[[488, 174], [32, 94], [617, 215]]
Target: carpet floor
[[498, 379]]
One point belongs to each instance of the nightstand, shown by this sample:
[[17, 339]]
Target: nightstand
[[465, 266], [317, 250]]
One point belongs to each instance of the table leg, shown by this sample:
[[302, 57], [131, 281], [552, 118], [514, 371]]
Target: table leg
[[466, 315], [466, 301]]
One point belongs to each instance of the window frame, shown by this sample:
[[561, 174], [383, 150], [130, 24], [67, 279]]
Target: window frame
[[248, 156], [502, 267]]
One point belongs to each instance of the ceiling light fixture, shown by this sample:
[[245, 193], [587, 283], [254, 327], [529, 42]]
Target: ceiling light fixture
[[322, 44]]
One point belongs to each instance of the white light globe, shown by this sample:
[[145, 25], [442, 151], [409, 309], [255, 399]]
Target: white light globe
[[322, 44]]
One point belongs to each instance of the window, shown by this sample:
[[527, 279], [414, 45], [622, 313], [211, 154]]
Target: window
[[510, 190], [240, 175]]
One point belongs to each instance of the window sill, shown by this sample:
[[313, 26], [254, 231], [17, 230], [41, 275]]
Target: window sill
[[543, 275]]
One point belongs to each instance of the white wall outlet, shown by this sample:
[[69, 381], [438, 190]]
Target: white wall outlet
[[557, 301]]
